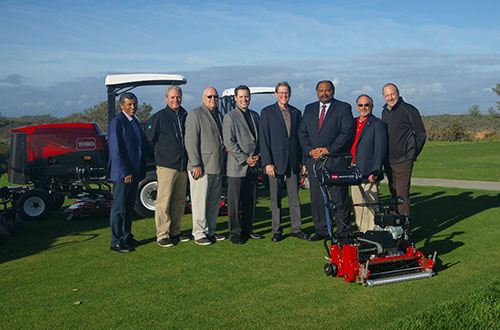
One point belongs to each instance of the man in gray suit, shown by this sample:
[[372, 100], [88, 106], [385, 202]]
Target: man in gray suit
[[241, 138], [206, 154]]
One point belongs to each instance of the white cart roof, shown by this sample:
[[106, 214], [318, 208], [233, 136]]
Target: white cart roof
[[253, 90], [144, 79]]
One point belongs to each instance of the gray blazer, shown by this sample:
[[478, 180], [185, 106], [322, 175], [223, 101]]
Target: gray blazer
[[204, 143], [239, 141]]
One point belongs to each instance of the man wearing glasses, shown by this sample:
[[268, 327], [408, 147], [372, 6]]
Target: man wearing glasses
[[282, 158], [368, 152], [206, 154], [241, 138]]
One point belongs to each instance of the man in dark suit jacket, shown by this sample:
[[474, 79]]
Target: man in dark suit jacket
[[126, 169], [369, 151], [327, 127], [282, 158]]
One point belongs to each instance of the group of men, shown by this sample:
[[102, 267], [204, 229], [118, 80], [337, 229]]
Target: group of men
[[202, 145]]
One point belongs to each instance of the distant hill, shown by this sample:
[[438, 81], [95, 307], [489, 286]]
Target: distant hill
[[462, 127]]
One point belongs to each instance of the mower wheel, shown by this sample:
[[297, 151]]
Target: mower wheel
[[34, 204], [330, 269], [146, 196]]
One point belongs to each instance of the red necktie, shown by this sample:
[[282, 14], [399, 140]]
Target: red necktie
[[322, 115]]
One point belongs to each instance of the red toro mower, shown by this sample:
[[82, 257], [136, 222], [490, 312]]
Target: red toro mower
[[377, 257]]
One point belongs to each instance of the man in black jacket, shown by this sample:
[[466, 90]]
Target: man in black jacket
[[165, 132], [282, 158], [406, 140]]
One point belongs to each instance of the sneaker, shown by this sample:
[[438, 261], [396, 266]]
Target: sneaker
[[219, 237], [180, 238], [203, 241], [255, 235], [165, 242]]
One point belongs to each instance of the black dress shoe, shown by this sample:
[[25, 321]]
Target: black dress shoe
[[236, 239], [255, 236], [277, 238], [120, 248], [299, 235], [134, 242], [318, 237]]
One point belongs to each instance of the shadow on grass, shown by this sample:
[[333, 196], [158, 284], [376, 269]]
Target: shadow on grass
[[38, 236], [434, 213]]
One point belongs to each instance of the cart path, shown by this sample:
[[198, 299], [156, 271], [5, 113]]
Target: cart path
[[463, 184]]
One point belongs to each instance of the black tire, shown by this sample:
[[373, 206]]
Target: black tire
[[331, 269], [34, 204], [57, 201], [146, 196]]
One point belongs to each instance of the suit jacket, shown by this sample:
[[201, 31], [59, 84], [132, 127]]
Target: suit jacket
[[371, 149], [276, 147], [126, 154], [336, 133], [239, 141], [203, 141]]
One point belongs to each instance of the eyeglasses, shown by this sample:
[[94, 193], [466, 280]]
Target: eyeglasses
[[210, 96], [283, 93], [362, 105]]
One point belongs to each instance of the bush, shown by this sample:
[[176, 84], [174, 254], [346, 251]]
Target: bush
[[455, 132]]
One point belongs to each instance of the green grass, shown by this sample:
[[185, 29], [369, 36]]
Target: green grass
[[479, 310], [459, 160], [256, 285]]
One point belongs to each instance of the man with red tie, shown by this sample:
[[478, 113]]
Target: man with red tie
[[327, 127]]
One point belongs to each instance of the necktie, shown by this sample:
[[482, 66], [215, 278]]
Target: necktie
[[322, 115]]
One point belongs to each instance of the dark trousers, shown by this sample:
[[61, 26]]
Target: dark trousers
[[120, 217], [241, 196], [276, 186], [399, 177], [340, 196]]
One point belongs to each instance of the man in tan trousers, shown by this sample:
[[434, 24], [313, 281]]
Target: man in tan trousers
[[165, 132]]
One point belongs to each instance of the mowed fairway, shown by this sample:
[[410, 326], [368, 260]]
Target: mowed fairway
[[459, 160], [49, 265], [256, 285]]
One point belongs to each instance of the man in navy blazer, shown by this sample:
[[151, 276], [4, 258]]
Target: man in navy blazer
[[327, 127], [126, 169], [282, 158], [369, 151]]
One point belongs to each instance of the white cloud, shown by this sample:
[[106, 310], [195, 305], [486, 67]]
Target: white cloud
[[363, 90]]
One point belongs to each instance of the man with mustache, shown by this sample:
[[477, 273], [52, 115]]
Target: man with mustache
[[327, 127]]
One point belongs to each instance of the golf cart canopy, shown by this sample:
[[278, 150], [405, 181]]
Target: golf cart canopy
[[253, 90], [120, 83], [227, 102]]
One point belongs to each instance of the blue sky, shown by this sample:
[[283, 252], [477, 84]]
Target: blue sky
[[444, 55]]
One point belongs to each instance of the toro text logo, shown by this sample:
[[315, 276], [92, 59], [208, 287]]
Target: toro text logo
[[84, 144]]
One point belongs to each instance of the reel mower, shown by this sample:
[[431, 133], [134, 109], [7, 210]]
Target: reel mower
[[377, 257]]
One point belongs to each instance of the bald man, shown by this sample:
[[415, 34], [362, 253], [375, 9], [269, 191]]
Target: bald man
[[206, 159]]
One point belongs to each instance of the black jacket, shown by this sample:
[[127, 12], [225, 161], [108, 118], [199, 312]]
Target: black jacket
[[276, 147], [165, 132], [406, 131]]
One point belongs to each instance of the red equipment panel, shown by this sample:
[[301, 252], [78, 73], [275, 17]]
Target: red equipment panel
[[54, 139]]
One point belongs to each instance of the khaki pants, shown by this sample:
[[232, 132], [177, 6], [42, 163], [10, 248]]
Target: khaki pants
[[205, 201], [170, 201], [365, 215]]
